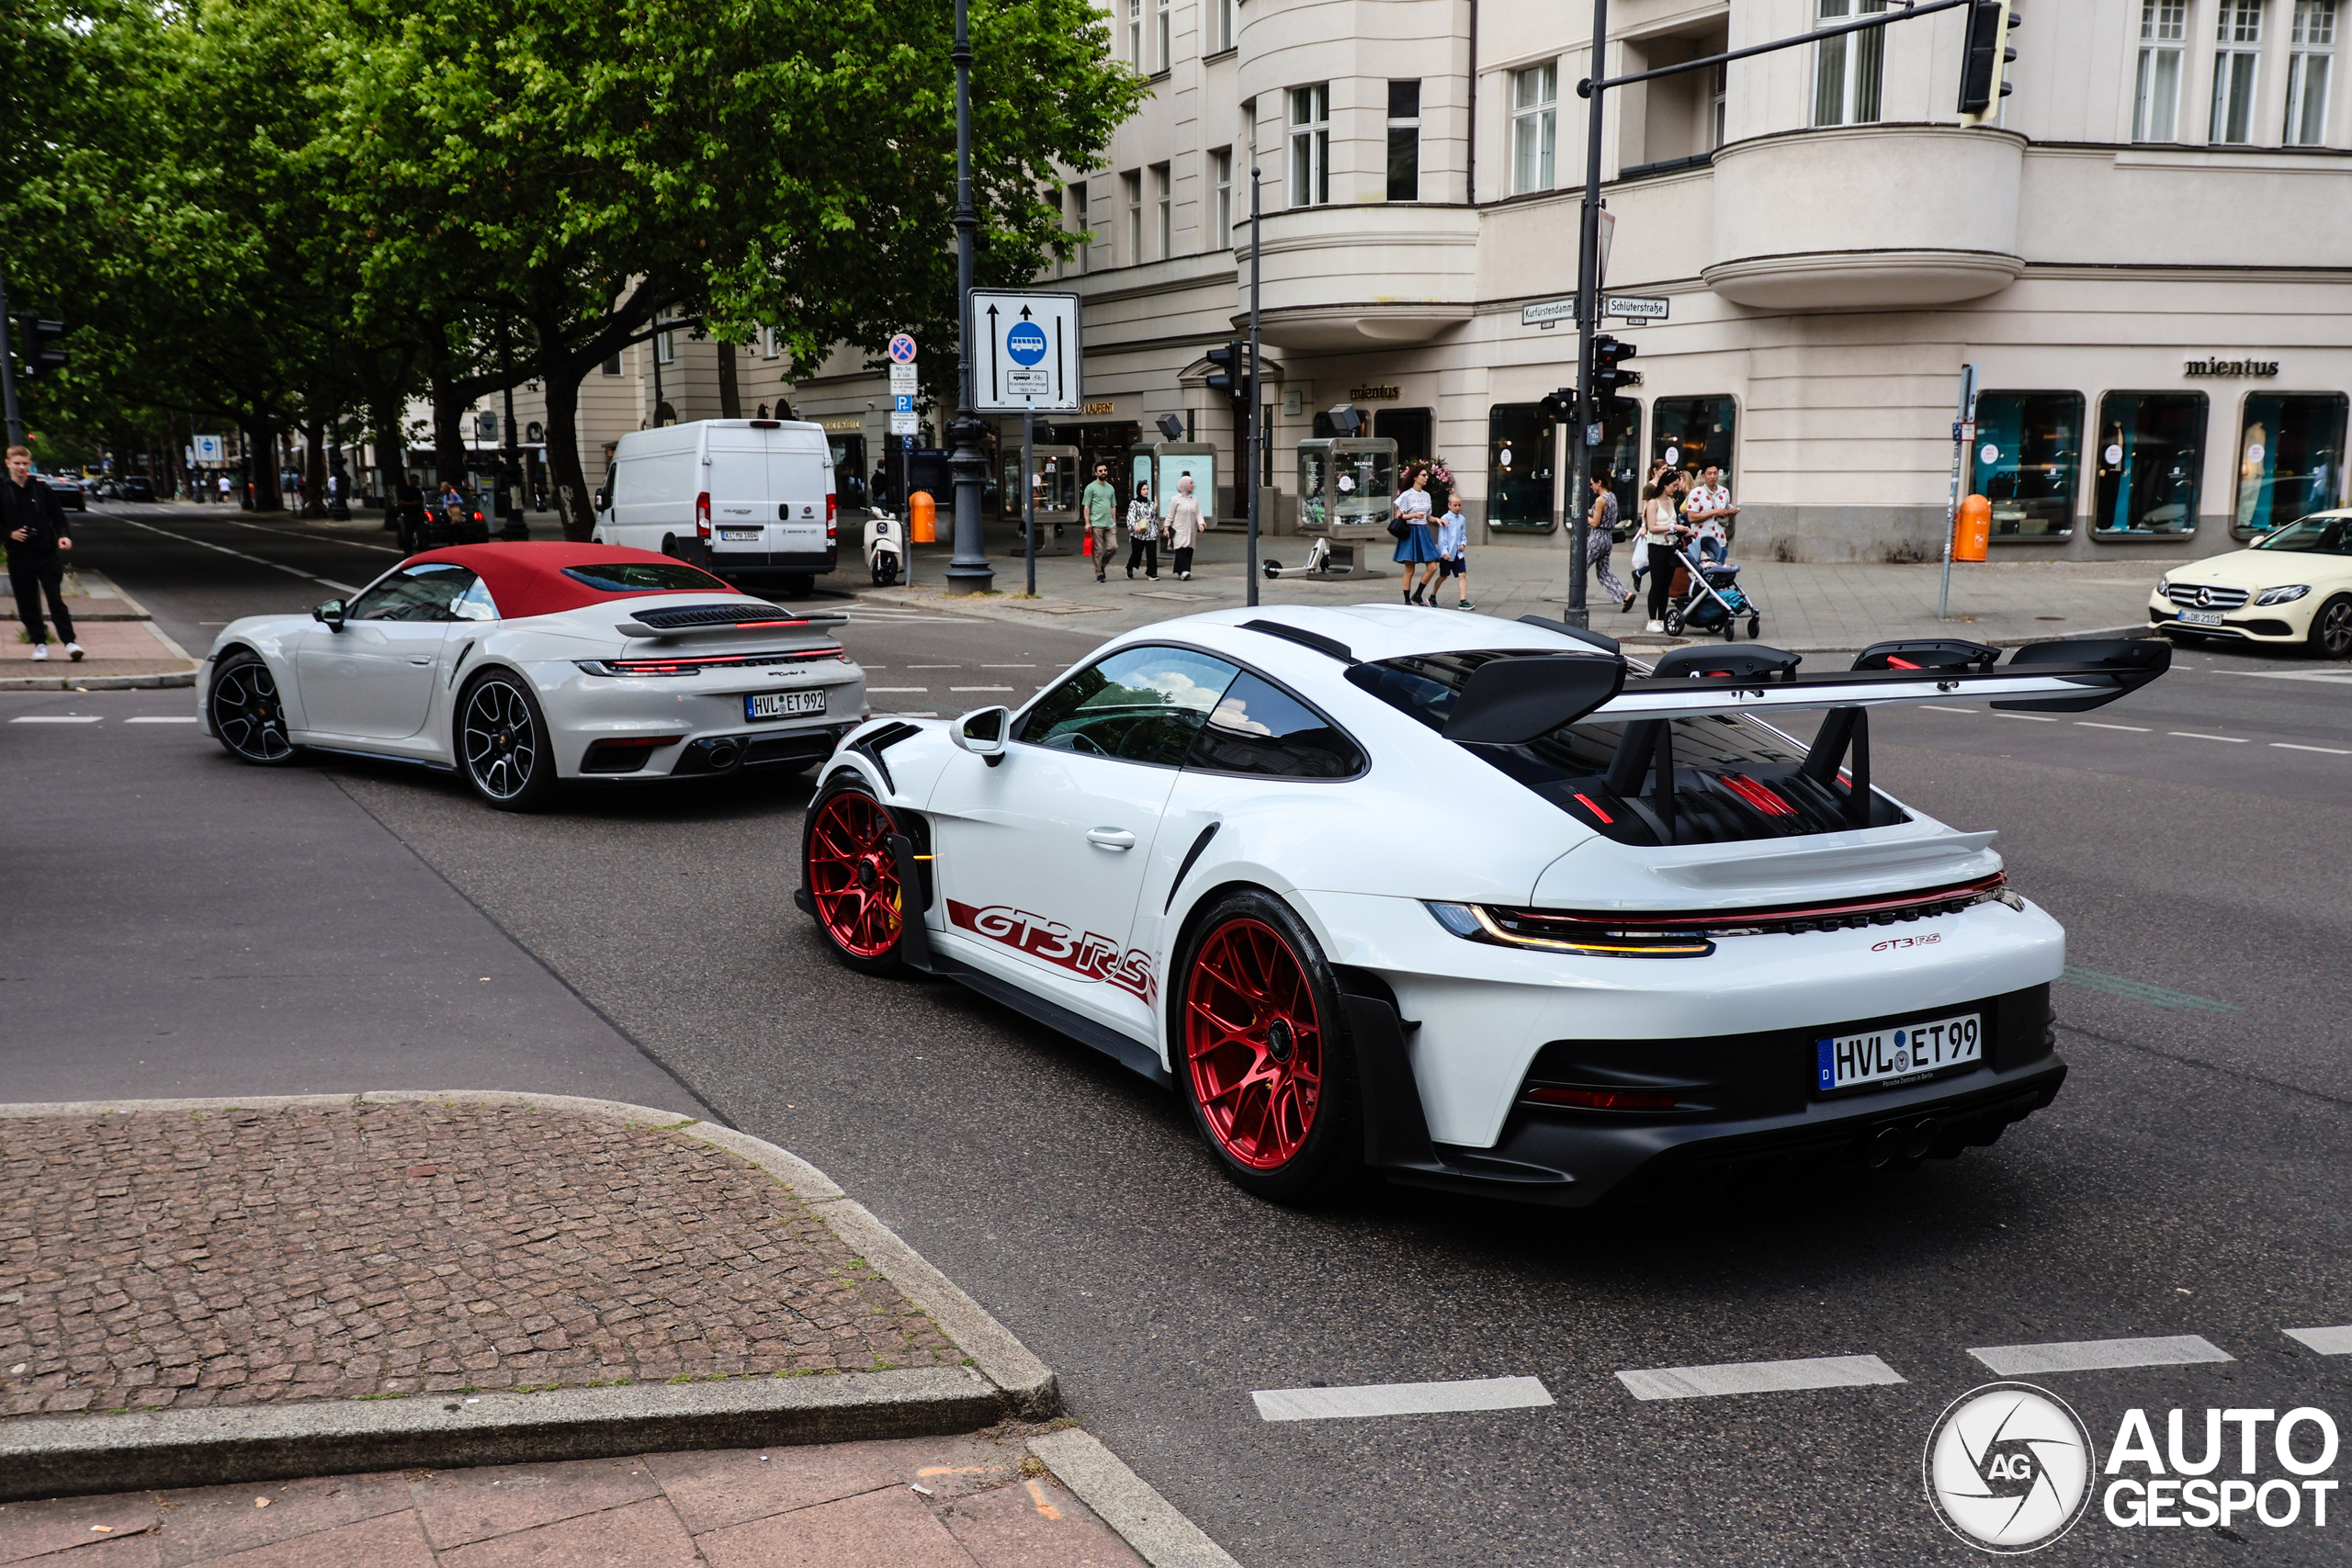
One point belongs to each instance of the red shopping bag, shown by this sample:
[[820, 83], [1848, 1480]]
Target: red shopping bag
[[1086, 546]]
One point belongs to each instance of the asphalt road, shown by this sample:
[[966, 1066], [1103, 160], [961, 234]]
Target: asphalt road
[[2190, 1181]]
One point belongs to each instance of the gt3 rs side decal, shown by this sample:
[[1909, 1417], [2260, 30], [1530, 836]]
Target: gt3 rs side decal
[[1085, 953]]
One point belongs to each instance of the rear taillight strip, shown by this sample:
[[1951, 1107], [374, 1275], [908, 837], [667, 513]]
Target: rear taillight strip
[[695, 666]]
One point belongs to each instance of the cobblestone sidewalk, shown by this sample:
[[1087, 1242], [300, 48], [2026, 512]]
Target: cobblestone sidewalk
[[175, 1259], [975, 1501]]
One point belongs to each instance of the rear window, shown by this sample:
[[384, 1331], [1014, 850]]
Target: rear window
[[646, 577], [1733, 778]]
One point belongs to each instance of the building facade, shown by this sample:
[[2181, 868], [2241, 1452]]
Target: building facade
[[2148, 255]]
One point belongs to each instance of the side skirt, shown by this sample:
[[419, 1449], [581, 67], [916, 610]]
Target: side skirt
[[379, 756]]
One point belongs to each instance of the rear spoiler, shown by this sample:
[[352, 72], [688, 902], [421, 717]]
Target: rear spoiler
[[1512, 701], [667, 624]]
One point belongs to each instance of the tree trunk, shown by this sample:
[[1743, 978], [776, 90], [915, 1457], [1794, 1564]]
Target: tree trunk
[[391, 464], [560, 377], [448, 433], [731, 398], [261, 467], [314, 469]]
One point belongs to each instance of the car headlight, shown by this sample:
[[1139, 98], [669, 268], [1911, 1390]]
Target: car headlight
[[2285, 595], [2163, 583]]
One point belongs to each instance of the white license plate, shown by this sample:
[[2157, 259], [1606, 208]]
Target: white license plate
[[1847, 1061], [739, 535], [782, 704], [2200, 617]]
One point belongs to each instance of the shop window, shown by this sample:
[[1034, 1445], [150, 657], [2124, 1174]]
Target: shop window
[[1521, 442], [1690, 434], [1620, 456], [2150, 446], [2290, 459], [1410, 428], [2028, 460], [1848, 69]]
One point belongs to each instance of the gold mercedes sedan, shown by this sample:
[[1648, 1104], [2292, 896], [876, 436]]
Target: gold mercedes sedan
[[2292, 585]]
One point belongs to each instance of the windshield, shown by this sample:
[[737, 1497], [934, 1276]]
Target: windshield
[[2324, 534], [646, 577], [1733, 778]]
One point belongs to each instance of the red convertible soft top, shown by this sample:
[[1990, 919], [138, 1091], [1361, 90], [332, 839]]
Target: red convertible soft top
[[531, 579]]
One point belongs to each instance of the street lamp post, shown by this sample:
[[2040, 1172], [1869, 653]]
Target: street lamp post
[[968, 572], [1588, 416], [1256, 395]]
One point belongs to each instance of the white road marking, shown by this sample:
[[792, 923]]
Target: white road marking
[[2132, 729], [2095, 1355], [1759, 1377], [1007, 667], [2037, 718], [2193, 735], [2325, 751], [2327, 1341], [1401, 1399], [274, 566], [290, 534], [897, 691], [934, 667], [980, 688], [161, 718], [58, 718], [1938, 708], [2287, 675]]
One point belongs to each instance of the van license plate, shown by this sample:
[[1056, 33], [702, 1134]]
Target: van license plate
[[740, 535], [1847, 1061], [782, 704], [2200, 617]]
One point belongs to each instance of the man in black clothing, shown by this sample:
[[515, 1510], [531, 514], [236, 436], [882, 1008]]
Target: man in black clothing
[[34, 525]]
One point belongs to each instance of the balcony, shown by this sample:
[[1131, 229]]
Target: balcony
[[1866, 218], [1369, 276]]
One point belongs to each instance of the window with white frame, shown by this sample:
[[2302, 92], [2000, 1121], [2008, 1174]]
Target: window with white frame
[[1221, 175], [1161, 36], [1132, 182], [1722, 100], [1134, 34], [1220, 26], [1310, 145], [768, 343], [1848, 70], [1534, 125], [1078, 223], [2156, 100], [1163, 210], [1404, 141], [2312, 40], [2237, 37], [665, 342]]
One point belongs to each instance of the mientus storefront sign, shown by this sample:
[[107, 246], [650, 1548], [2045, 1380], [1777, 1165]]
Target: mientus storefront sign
[[2234, 367]]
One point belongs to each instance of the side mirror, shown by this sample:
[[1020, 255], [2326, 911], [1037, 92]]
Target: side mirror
[[328, 614], [983, 732], [599, 499]]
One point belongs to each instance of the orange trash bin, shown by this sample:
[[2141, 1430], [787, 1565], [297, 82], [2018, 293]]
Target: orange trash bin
[[922, 518], [1972, 532]]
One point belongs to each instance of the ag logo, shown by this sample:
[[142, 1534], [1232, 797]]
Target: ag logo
[[2008, 1468]]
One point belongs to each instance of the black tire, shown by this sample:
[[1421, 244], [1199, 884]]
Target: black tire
[[1754, 628], [247, 719], [2331, 633], [1731, 629], [851, 877], [1255, 1132], [1674, 623], [502, 744]]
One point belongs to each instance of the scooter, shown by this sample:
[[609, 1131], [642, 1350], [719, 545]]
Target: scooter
[[885, 548], [1318, 564]]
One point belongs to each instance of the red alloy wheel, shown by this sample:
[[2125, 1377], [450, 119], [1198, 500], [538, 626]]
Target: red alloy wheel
[[852, 875], [1253, 1042]]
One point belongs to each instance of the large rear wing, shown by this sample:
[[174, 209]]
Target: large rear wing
[[1514, 700], [670, 621]]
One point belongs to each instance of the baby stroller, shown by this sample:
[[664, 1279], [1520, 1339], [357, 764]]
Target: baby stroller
[[1708, 599]]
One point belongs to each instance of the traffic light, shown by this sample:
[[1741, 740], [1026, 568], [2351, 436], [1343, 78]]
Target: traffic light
[[1230, 370], [1608, 355], [1561, 406], [33, 337], [1986, 58]]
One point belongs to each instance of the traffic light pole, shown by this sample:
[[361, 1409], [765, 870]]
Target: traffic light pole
[[9, 372], [1257, 436], [1580, 434], [968, 571]]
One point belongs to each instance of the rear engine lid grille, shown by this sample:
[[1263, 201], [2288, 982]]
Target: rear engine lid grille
[[670, 617]]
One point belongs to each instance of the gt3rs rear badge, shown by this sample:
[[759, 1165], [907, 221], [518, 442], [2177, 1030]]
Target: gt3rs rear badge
[[1085, 953]]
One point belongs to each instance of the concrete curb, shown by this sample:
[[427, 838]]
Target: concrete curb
[[100, 682], [1127, 1503], [44, 1456]]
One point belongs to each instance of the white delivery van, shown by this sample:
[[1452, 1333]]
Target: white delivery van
[[748, 498]]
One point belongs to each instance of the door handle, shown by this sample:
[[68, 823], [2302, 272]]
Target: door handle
[[412, 659], [1110, 838]]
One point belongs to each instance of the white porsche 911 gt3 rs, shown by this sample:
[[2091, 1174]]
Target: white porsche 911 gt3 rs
[[1473, 903], [522, 665]]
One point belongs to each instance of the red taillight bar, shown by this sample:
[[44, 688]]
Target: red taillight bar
[[1716, 919], [1601, 1099], [832, 527]]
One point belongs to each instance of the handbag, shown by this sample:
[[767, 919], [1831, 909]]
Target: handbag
[[1398, 528]]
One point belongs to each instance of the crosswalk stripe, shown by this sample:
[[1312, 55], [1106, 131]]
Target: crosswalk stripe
[[2327, 1341], [1401, 1399], [2098, 1355], [1759, 1377]]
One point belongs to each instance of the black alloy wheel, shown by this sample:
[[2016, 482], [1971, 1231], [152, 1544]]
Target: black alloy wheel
[[2331, 635], [246, 715], [503, 743]]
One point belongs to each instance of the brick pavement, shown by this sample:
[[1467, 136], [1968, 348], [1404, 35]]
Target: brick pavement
[[974, 1502], [174, 1259]]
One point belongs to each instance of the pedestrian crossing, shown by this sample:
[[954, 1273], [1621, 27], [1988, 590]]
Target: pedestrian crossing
[[1319, 1402]]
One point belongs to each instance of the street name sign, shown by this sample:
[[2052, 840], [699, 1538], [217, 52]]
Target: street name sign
[[1030, 354], [1548, 312], [1635, 307]]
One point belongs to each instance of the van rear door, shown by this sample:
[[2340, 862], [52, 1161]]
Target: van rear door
[[737, 478], [798, 476]]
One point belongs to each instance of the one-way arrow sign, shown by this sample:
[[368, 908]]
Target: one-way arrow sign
[[1032, 352]]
